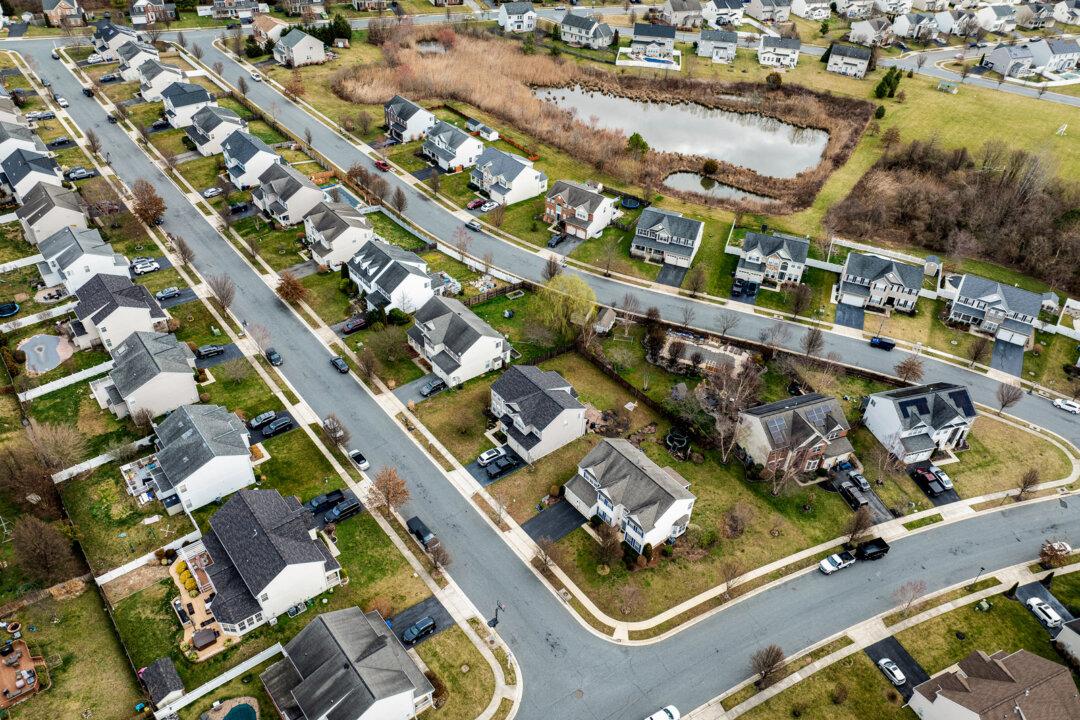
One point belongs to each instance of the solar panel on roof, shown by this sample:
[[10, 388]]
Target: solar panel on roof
[[919, 405], [962, 401], [816, 415], [776, 426]]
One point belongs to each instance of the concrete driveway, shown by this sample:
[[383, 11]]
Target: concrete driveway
[[426, 608], [556, 522], [1008, 358], [1036, 590], [411, 391], [480, 473], [850, 316], [671, 275], [186, 295], [891, 648], [231, 353]]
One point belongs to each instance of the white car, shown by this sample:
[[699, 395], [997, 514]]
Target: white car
[[142, 268], [256, 77], [95, 58], [892, 672], [211, 192], [489, 456], [669, 713], [945, 480], [1046, 614], [359, 460], [62, 102], [489, 206], [836, 562], [1070, 406]]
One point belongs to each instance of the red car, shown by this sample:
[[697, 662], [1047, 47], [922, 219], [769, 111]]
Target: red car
[[382, 165], [353, 325], [473, 204]]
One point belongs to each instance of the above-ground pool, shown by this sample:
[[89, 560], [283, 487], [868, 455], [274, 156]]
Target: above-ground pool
[[243, 711], [44, 352]]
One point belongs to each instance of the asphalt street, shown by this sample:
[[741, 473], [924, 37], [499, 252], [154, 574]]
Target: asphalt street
[[558, 657]]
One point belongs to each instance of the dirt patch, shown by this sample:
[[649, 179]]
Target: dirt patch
[[132, 582]]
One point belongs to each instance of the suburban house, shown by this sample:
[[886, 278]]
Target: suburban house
[[875, 32], [391, 277], [210, 126], [776, 259], [1011, 60], [1055, 55], [335, 231], [450, 147], [585, 32], [202, 455], [913, 423], [799, 434], [285, 194], [482, 131], [153, 374], [260, 558], [48, 208], [267, 28], [241, 9], [718, 45], [618, 483], [916, 26], [1020, 685], [1068, 640], [517, 17], [956, 22], [653, 41], [108, 38], [855, 9], [850, 60], [182, 100], [155, 76], [817, 10], [14, 136], [930, 6], [771, 11], [778, 51], [296, 48], [878, 282], [247, 157], [1032, 16], [110, 308], [998, 19], [151, 12], [578, 210], [71, 257], [362, 5], [25, 169], [537, 409], [62, 13], [456, 342], [721, 13], [893, 7], [682, 13], [132, 55], [405, 120], [347, 665], [1004, 311], [506, 178], [1067, 12]]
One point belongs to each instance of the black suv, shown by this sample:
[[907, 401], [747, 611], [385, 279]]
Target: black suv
[[206, 351], [418, 630], [278, 426], [344, 509]]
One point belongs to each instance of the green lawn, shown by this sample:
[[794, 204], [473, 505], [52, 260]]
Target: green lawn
[[247, 685], [169, 142], [247, 394], [456, 417], [820, 281], [201, 172], [18, 284], [74, 405], [326, 297], [467, 676], [393, 232], [143, 114], [1066, 588], [392, 352], [524, 334], [197, 325], [296, 467], [280, 248], [625, 352]]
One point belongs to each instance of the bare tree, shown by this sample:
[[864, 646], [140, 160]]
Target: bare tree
[[260, 334], [435, 181], [93, 142], [630, 308], [234, 371], [767, 663], [148, 205], [462, 241], [727, 322], [813, 341], [488, 261], [553, 268], [695, 280], [610, 546], [389, 489], [545, 551], [44, 553], [181, 40], [290, 289], [1007, 396], [366, 364], [223, 289], [978, 349], [335, 432], [801, 298], [307, 136], [142, 418], [1027, 484], [398, 200], [197, 51], [859, 524], [56, 446], [242, 85], [184, 252], [908, 593], [688, 315], [726, 392], [730, 570], [910, 369], [440, 555]]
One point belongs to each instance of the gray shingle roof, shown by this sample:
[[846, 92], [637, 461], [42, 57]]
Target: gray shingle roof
[[210, 118], [129, 50], [101, 294], [997, 295], [669, 224], [685, 5], [40, 201], [445, 321], [646, 30], [792, 421], [386, 265], [794, 248], [727, 4], [145, 355], [719, 36], [1063, 46], [331, 219], [192, 435], [161, 679], [769, 41], [241, 146], [578, 21], [402, 107], [182, 94], [14, 131], [500, 164], [518, 8], [856, 52], [576, 195], [152, 68], [22, 162], [536, 396], [280, 182], [935, 404], [68, 245], [293, 38], [105, 31], [1017, 52], [451, 136], [875, 267]]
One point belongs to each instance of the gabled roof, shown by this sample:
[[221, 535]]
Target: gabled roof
[[578, 21], [68, 245], [785, 43], [788, 247], [43, 199], [208, 119], [331, 219], [997, 295], [14, 131], [385, 265], [518, 8], [933, 405], [1062, 46], [669, 222], [402, 107], [855, 52], [576, 195], [161, 679], [182, 94], [501, 164], [294, 37], [106, 31], [152, 68], [447, 322], [281, 182], [22, 162], [241, 146], [792, 421], [1016, 52], [685, 5], [450, 136], [145, 355], [719, 36], [267, 23], [129, 50], [50, 5], [875, 267], [192, 435], [534, 395], [102, 294], [647, 30]]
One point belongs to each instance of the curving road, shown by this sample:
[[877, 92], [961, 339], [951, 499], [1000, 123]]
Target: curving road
[[569, 673]]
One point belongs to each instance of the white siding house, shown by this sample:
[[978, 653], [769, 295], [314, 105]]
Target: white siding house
[[775, 259], [507, 178], [1055, 55], [48, 208], [246, 158], [585, 32], [517, 17], [154, 77], [778, 51], [578, 210], [451, 148], [850, 60], [721, 13], [132, 55], [817, 10], [879, 282], [457, 343], [915, 422], [73, 257], [718, 45], [405, 120], [25, 169], [335, 232], [771, 11], [537, 409], [153, 373], [210, 126], [286, 194], [296, 48], [666, 236], [390, 277], [182, 100], [110, 308]]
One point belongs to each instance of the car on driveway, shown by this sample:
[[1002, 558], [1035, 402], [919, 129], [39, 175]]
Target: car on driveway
[[860, 480], [556, 240], [499, 466], [474, 204], [1069, 406], [489, 206], [159, 124], [79, 173], [668, 713], [851, 495], [109, 77], [142, 268], [339, 364], [942, 477], [1042, 610], [343, 510], [927, 481], [353, 324], [432, 386], [279, 425], [892, 672], [473, 225], [211, 350], [237, 207], [261, 419], [489, 456], [58, 142], [359, 460], [211, 192], [418, 630], [273, 357], [836, 562], [331, 498], [169, 292], [94, 59]]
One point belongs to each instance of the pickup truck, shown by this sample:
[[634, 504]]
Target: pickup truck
[[872, 549], [836, 562]]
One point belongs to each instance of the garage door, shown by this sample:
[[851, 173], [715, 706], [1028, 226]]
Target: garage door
[[1011, 337], [849, 299]]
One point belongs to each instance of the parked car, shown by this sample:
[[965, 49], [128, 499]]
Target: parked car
[[473, 225], [942, 477], [359, 460], [432, 386], [94, 58], [112, 119], [211, 192], [498, 466], [45, 82], [872, 549], [278, 426], [55, 55], [339, 364], [88, 91], [256, 77], [843, 466], [851, 496], [860, 480], [382, 165], [882, 343], [331, 498], [418, 630], [8, 309], [670, 712], [836, 562], [891, 671], [354, 324], [81, 173], [143, 268], [343, 510], [273, 357], [205, 351], [556, 240], [169, 292], [58, 142], [159, 124], [109, 77], [420, 531], [1070, 406], [1047, 615], [238, 207], [475, 203], [927, 481], [261, 419], [62, 102], [489, 206], [489, 456]]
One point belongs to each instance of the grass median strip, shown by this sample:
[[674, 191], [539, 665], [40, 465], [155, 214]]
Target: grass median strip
[[939, 600], [923, 522]]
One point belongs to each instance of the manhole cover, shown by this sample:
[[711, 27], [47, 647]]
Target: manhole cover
[[578, 694]]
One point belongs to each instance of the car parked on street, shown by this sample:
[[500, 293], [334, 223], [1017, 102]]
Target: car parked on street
[[256, 77], [169, 292], [473, 225], [279, 425], [667, 713], [1047, 615], [382, 166], [112, 119], [1069, 406], [143, 268], [432, 386], [273, 357], [88, 91], [359, 460], [418, 630], [54, 55], [874, 549], [489, 456], [839, 561], [339, 364], [211, 350], [261, 419], [882, 343], [62, 102], [892, 672], [420, 531]]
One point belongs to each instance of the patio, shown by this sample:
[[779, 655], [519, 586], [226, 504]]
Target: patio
[[19, 675], [202, 637]]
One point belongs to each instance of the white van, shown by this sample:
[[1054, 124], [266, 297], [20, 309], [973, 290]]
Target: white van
[[668, 713], [1046, 614]]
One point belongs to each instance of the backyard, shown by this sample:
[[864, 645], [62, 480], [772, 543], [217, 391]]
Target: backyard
[[74, 405]]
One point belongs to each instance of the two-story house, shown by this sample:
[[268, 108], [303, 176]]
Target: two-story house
[[893, 7], [247, 157], [653, 41], [768, 11], [960, 23], [930, 6], [913, 423], [776, 51], [296, 48], [154, 77], [666, 236], [151, 12], [203, 455], [108, 38], [1000, 19], [1004, 311], [722, 13], [855, 9], [517, 17], [347, 665], [618, 483], [456, 342], [132, 54], [578, 210], [260, 557], [537, 409], [776, 259], [110, 308], [405, 120], [850, 60], [267, 28], [311, 9], [873, 32], [1055, 55], [799, 434], [243, 10], [391, 277], [916, 26], [1033, 16], [25, 169], [153, 374], [583, 31], [182, 100], [718, 45], [682, 13], [210, 126], [1011, 60], [878, 282], [285, 194], [48, 208], [335, 232], [1067, 12], [816, 10], [14, 136], [71, 257], [62, 13], [506, 178], [450, 147]]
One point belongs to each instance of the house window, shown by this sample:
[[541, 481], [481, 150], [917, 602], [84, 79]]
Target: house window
[[812, 464], [264, 597]]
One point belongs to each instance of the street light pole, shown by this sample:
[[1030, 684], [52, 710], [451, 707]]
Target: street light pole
[[494, 622], [976, 581]]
